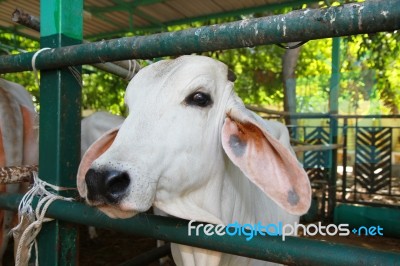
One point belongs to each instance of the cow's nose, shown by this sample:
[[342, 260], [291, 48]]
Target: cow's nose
[[106, 186]]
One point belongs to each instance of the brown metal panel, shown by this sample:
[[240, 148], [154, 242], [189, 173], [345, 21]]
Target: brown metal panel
[[98, 3], [195, 8], [162, 12]]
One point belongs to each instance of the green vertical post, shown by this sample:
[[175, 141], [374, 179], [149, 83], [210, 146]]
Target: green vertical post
[[333, 123], [60, 101]]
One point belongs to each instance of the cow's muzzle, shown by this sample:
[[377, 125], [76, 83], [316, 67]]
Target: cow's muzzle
[[106, 186]]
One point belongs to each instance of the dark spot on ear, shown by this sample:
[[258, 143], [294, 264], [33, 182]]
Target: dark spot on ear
[[231, 76], [293, 198], [237, 145]]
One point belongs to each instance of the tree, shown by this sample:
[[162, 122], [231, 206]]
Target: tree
[[289, 63], [377, 61]]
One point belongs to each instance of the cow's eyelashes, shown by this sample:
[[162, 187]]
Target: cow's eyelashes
[[198, 98]]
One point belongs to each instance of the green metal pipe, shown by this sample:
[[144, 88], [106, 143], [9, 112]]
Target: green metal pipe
[[367, 17], [60, 114], [293, 250]]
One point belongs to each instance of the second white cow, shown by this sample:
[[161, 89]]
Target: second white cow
[[190, 148], [95, 125]]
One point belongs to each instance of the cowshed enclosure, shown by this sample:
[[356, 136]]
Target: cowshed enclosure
[[62, 30]]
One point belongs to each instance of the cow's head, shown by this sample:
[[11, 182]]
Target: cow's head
[[185, 124]]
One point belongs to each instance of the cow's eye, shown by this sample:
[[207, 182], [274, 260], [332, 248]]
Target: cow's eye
[[200, 99]]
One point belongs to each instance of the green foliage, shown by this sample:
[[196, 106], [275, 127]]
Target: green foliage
[[13, 44], [313, 76], [371, 65], [258, 72], [103, 91]]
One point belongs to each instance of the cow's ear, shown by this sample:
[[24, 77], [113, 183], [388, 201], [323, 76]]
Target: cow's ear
[[93, 152], [262, 156]]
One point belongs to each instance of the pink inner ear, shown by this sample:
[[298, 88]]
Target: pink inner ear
[[95, 151], [268, 164]]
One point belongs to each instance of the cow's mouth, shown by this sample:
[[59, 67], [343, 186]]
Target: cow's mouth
[[113, 210], [116, 212]]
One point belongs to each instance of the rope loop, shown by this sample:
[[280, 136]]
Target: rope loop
[[132, 70], [30, 220], [35, 72], [73, 70]]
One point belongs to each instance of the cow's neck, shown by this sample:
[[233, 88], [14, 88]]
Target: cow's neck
[[229, 196], [242, 200]]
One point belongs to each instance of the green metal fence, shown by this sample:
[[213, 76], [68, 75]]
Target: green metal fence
[[292, 251], [60, 115]]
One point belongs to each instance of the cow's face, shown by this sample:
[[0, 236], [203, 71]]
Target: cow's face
[[168, 145], [185, 129]]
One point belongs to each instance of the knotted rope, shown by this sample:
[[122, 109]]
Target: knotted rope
[[30, 220], [132, 69]]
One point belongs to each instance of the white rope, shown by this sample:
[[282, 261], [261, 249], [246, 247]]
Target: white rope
[[76, 75], [30, 221], [128, 76], [73, 70], [35, 72], [136, 68], [132, 70]]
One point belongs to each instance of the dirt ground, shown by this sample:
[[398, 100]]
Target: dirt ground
[[114, 248]]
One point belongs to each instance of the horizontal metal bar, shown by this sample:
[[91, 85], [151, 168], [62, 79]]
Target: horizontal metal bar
[[322, 147], [315, 115], [225, 14], [367, 17], [293, 250], [286, 114], [118, 68], [115, 69]]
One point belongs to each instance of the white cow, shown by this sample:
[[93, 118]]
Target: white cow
[[18, 139], [191, 148]]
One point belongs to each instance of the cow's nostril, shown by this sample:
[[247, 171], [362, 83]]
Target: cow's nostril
[[106, 186], [116, 184]]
